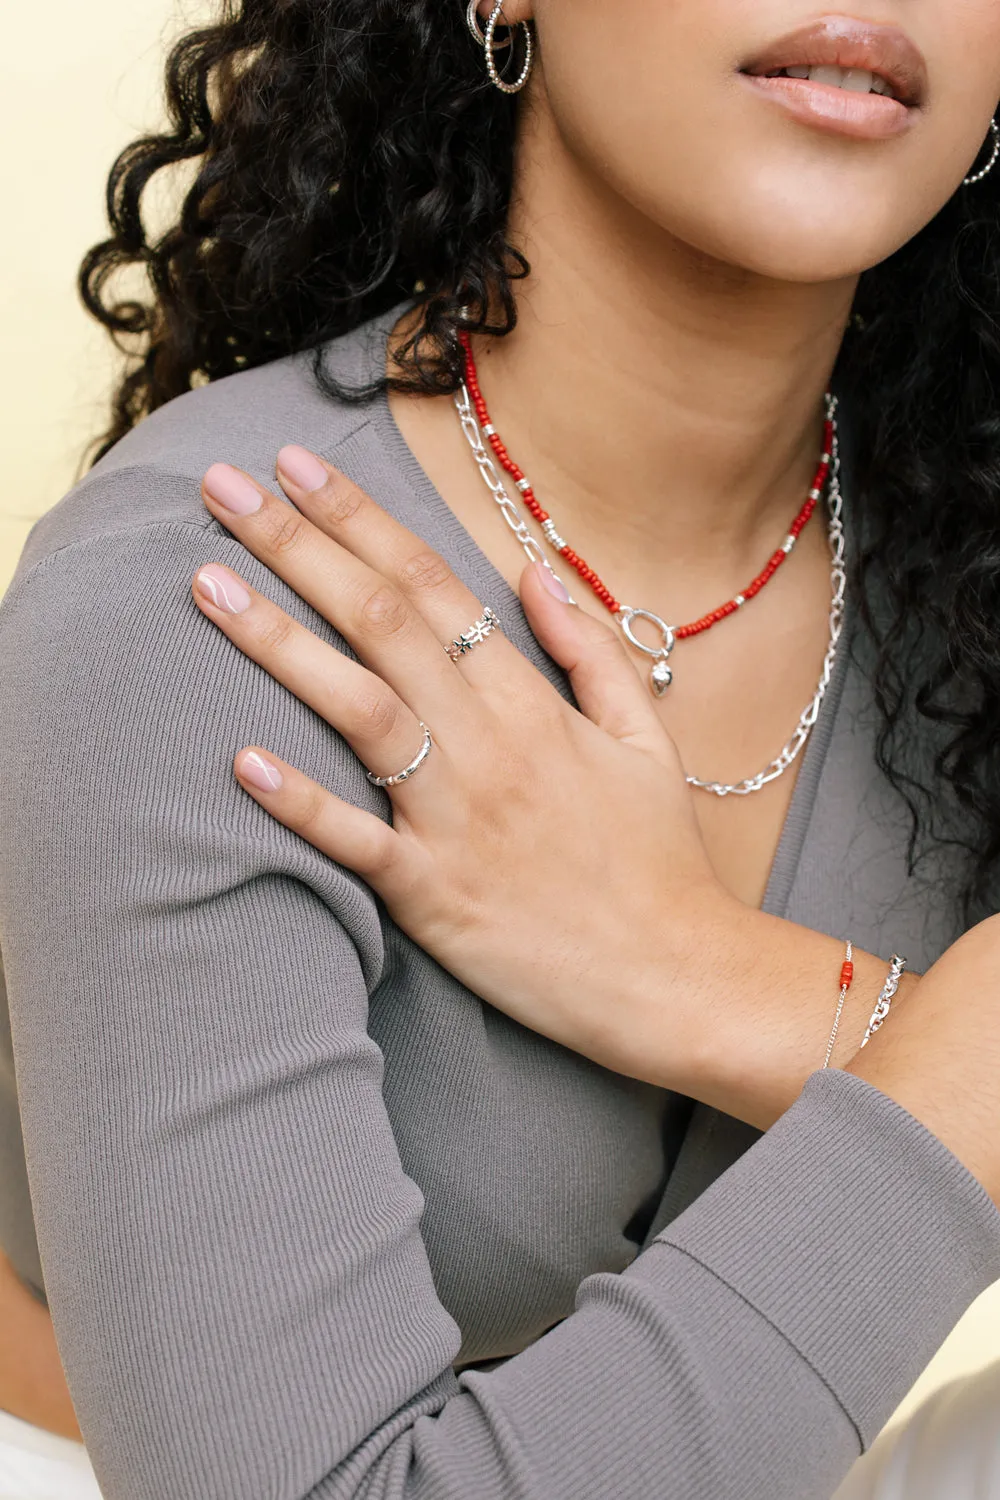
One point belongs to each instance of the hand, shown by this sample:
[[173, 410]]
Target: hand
[[549, 858]]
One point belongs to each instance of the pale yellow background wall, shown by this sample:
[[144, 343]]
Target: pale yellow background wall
[[78, 78]]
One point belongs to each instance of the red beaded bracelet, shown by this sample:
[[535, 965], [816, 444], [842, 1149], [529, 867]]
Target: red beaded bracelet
[[846, 980]]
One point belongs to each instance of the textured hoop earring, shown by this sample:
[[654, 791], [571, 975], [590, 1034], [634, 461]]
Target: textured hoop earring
[[978, 176], [490, 46], [472, 21]]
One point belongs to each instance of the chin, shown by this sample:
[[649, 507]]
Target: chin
[[800, 242], [785, 252]]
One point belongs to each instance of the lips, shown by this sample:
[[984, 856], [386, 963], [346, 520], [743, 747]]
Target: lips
[[843, 77], [856, 48]]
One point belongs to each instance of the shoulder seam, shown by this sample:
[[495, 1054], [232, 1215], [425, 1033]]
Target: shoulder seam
[[364, 420], [100, 536], [328, 449], [16, 585]]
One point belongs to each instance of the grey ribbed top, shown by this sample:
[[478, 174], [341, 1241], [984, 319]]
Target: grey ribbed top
[[290, 1180]]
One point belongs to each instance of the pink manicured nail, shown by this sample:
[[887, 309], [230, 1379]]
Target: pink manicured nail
[[554, 585], [228, 487], [222, 589], [260, 772], [302, 468]]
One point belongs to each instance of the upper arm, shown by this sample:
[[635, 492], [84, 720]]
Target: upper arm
[[228, 1238]]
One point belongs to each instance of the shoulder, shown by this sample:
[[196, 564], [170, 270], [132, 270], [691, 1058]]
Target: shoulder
[[152, 477]]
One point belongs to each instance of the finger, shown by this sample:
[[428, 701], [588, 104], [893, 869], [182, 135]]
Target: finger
[[371, 613], [379, 727], [346, 834], [605, 683], [343, 511]]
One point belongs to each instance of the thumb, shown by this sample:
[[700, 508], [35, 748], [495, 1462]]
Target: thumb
[[607, 687]]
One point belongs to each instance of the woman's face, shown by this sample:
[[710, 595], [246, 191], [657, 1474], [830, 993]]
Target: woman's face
[[792, 178]]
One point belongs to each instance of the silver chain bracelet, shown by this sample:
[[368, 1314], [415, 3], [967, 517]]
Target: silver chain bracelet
[[884, 1001]]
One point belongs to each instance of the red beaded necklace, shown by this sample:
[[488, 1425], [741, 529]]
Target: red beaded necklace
[[661, 675]]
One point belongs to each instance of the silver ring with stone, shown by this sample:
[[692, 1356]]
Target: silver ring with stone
[[407, 771], [488, 621]]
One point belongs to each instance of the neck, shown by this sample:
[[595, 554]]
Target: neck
[[654, 394]]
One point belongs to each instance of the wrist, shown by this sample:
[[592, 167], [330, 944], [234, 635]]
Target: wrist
[[675, 988], [764, 1013], [939, 1057], [747, 1012], [692, 995]]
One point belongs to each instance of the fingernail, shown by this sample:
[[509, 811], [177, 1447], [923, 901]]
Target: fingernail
[[222, 589], [260, 772], [302, 468], [554, 585], [228, 487]]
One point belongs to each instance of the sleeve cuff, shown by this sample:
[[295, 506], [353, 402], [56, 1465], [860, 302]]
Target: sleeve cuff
[[868, 1242]]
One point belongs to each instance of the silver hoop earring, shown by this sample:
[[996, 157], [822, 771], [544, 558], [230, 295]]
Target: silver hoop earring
[[487, 40], [472, 21], [978, 176]]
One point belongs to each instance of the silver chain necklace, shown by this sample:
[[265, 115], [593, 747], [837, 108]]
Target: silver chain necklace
[[838, 583]]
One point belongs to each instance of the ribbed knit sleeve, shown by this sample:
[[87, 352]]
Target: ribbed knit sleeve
[[231, 1247]]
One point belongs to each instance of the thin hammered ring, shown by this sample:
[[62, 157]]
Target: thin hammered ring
[[407, 771], [488, 43], [488, 621]]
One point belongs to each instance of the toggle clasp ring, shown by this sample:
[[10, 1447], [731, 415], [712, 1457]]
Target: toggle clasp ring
[[661, 675]]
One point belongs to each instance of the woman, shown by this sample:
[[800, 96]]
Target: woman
[[393, 1107]]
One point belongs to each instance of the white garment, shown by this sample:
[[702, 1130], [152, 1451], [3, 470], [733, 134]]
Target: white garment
[[948, 1450], [38, 1465]]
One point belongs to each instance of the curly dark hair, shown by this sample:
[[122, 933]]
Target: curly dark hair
[[350, 154]]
